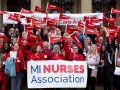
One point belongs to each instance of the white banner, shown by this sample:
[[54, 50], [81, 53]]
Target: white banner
[[73, 21], [56, 74]]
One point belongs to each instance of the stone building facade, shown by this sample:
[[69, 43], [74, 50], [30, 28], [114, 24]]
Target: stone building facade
[[68, 6]]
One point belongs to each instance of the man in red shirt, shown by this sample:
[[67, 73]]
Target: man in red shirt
[[75, 56]]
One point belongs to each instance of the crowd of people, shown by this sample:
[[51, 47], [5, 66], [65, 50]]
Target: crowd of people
[[103, 48]]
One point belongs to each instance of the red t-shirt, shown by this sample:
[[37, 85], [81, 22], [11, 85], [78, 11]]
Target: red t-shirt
[[118, 59], [118, 35], [78, 57], [96, 39], [57, 57], [36, 57]]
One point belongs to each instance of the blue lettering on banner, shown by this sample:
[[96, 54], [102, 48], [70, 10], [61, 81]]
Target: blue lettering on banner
[[55, 79], [49, 79], [60, 79], [38, 69], [34, 79]]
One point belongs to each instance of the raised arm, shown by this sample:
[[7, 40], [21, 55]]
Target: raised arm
[[108, 45], [113, 42], [6, 32], [85, 44]]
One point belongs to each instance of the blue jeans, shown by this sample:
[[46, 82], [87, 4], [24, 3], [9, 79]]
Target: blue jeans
[[16, 81]]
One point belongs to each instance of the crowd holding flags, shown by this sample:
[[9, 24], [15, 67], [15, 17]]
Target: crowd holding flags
[[96, 44]]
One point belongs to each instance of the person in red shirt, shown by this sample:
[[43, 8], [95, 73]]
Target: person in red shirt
[[19, 65], [46, 51], [34, 54], [56, 54], [102, 31], [4, 51], [75, 56], [118, 35], [68, 47], [13, 40], [101, 41], [39, 43]]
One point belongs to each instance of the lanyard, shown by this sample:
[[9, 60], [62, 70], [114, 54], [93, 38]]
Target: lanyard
[[74, 57]]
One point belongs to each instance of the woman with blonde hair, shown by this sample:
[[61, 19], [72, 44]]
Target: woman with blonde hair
[[93, 60], [56, 54], [13, 40]]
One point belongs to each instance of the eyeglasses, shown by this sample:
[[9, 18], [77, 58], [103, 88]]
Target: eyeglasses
[[75, 48], [100, 39]]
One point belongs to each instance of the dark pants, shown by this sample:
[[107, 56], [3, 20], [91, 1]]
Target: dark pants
[[16, 81], [90, 80], [106, 77], [114, 82], [100, 75], [118, 82]]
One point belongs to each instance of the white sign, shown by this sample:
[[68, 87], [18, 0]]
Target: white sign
[[73, 21], [13, 54], [117, 71], [56, 74]]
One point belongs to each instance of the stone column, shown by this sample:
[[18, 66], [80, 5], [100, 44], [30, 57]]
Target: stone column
[[118, 7], [35, 2], [86, 6], [3, 7]]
